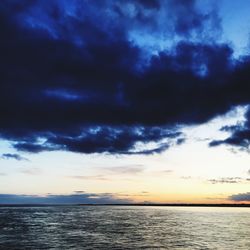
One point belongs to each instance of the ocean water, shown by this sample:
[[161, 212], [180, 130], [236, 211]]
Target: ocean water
[[111, 227]]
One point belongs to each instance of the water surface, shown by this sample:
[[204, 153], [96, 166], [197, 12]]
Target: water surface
[[110, 227]]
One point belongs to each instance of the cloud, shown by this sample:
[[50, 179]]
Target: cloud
[[13, 156], [91, 177], [108, 172], [186, 177], [161, 173], [31, 171], [124, 170], [240, 135], [76, 76], [229, 180], [167, 171], [248, 171], [240, 197], [189, 19], [75, 198]]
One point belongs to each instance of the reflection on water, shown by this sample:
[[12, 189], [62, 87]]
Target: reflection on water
[[76, 227]]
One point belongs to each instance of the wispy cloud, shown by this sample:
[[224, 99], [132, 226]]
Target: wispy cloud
[[124, 170], [165, 171], [186, 177], [140, 194], [228, 180], [17, 157], [31, 171], [108, 172], [90, 177], [160, 173]]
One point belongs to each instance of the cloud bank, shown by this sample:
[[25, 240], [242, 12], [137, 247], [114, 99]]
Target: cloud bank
[[240, 197], [105, 76], [75, 198]]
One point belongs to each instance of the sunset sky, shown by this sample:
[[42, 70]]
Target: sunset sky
[[112, 101]]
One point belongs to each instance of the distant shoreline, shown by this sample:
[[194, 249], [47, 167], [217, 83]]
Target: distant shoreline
[[130, 205]]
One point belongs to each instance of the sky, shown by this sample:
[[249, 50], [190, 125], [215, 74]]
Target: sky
[[142, 101]]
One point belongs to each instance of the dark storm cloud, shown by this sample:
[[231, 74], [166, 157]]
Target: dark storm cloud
[[154, 4], [13, 156], [101, 139], [240, 197], [240, 135], [72, 78], [189, 20], [75, 198]]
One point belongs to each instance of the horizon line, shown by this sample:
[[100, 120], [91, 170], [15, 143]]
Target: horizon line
[[132, 204]]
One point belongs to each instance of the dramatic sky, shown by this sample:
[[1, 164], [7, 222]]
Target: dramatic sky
[[105, 101]]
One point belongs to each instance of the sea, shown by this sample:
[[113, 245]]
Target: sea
[[124, 227]]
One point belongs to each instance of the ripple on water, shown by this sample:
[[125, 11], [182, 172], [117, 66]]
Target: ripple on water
[[110, 227]]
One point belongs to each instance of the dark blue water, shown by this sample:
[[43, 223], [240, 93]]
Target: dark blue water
[[124, 228]]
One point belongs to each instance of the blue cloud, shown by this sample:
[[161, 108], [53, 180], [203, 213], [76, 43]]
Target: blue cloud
[[78, 197], [240, 197], [74, 75], [13, 156]]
